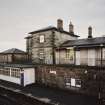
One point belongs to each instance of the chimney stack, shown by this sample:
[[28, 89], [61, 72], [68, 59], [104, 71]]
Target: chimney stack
[[71, 28], [60, 24], [89, 32]]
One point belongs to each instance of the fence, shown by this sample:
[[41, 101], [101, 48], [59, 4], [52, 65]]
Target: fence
[[78, 61]]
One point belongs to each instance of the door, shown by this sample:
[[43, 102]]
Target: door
[[77, 57], [22, 79]]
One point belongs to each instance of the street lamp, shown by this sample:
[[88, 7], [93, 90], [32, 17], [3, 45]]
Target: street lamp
[[99, 80]]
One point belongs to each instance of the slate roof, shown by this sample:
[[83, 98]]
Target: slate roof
[[52, 28], [28, 37], [17, 65], [84, 42], [13, 51]]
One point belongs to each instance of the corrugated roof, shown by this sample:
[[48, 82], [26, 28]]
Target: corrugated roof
[[84, 42], [13, 50], [52, 28]]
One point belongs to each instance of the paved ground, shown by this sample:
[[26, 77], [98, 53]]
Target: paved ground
[[54, 95], [6, 101]]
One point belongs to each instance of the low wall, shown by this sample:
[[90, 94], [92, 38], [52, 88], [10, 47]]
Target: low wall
[[10, 79], [59, 77]]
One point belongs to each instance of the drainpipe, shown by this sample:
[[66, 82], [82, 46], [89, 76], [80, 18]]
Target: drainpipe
[[59, 54], [101, 54], [99, 93], [53, 47]]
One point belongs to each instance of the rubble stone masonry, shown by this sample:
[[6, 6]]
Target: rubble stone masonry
[[60, 77]]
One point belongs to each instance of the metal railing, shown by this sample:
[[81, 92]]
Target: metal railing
[[64, 61], [78, 61], [92, 61]]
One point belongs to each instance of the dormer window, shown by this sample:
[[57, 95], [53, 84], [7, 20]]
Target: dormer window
[[41, 39]]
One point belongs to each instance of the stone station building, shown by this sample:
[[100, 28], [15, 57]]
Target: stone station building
[[65, 61], [41, 43], [62, 60]]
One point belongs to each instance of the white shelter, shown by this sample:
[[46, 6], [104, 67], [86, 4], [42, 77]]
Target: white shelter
[[18, 73]]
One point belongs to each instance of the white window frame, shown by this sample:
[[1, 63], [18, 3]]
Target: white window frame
[[70, 51], [41, 55], [67, 53], [41, 39]]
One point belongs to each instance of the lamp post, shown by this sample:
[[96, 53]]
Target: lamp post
[[99, 79], [101, 45]]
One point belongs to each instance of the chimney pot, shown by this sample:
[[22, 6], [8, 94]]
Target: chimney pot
[[60, 24], [89, 32], [71, 28]]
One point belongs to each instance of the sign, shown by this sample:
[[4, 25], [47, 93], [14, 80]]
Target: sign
[[53, 72], [72, 82]]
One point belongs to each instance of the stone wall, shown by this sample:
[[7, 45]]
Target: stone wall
[[47, 55], [29, 45], [20, 58], [59, 76], [5, 58], [62, 37], [14, 58], [52, 39]]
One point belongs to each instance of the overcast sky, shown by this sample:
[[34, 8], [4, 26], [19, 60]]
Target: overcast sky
[[18, 17]]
